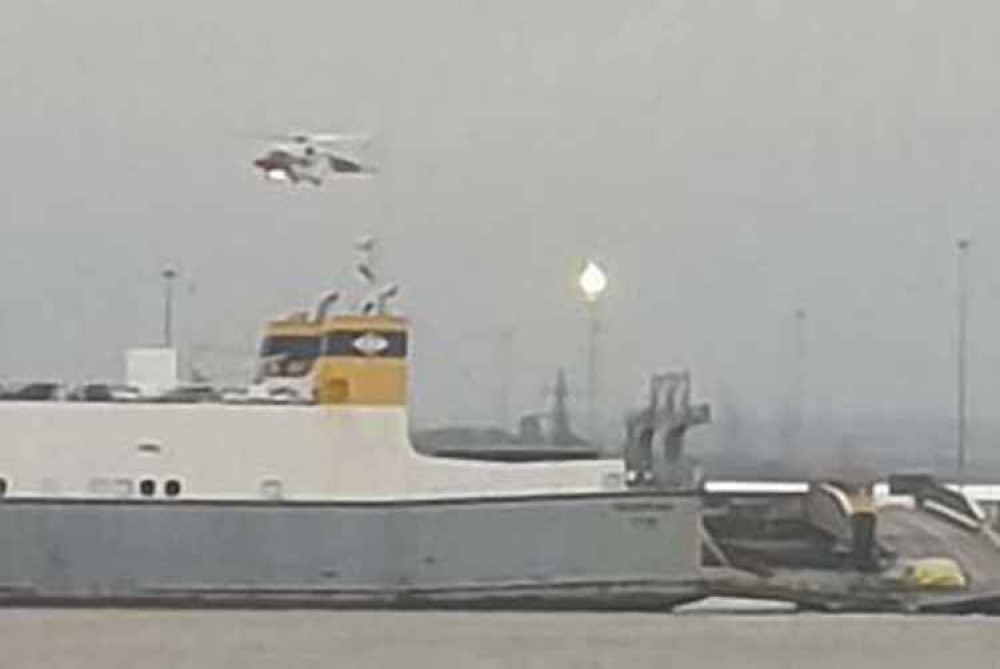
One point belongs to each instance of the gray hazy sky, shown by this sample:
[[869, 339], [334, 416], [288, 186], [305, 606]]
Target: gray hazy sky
[[728, 162]]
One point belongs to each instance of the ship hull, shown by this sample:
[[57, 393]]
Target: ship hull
[[588, 551]]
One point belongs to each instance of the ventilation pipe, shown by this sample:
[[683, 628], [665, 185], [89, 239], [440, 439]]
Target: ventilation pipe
[[324, 306]]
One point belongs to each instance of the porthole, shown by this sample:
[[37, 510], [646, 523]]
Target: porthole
[[3, 486], [147, 487], [172, 488]]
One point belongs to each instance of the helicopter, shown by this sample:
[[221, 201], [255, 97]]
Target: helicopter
[[308, 157]]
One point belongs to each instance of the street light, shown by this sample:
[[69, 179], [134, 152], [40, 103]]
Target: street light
[[962, 353], [169, 275], [593, 282]]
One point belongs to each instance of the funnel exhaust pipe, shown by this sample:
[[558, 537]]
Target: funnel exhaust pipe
[[324, 306]]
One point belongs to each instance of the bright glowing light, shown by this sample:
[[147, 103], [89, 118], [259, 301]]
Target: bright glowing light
[[593, 281], [277, 175]]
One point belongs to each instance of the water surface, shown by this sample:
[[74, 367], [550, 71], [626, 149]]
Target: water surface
[[58, 639]]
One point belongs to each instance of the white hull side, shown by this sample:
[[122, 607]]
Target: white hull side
[[231, 451]]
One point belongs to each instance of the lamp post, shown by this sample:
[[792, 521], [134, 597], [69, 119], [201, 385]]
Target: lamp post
[[962, 381], [593, 281], [169, 275]]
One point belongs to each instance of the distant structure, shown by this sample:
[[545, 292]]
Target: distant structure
[[793, 420], [553, 427], [505, 366], [545, 435], [561, 433], [654, 446]]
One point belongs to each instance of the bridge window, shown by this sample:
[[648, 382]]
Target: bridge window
[[287, 355]]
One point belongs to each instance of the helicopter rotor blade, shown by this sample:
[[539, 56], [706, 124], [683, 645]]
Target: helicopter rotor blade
[[320, 138]]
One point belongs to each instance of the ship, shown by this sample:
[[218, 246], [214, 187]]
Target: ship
[[306, 491]]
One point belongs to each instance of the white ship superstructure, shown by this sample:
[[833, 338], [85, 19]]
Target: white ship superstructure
[[344, 437]]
